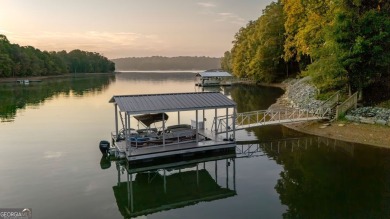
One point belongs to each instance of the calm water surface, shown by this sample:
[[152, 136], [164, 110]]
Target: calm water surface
[[50, 160]]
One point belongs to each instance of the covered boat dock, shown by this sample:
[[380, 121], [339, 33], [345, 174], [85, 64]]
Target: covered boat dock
[[166, 144], [213, 78]]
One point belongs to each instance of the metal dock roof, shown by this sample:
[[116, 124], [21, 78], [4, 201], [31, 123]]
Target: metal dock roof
[[171, 102], [214, 74]]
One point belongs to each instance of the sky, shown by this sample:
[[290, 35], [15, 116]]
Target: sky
[[128, 28]]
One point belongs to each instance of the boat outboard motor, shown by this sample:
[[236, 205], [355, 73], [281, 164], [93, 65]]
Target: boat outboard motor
[[104, 146], [105, 162]]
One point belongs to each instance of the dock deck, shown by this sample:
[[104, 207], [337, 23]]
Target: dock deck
[[181, 148]]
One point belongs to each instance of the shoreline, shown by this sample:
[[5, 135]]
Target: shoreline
[[14, 79], [352, 132], [365, 134]]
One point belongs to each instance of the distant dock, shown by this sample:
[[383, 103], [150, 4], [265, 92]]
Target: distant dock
[[27, 81]]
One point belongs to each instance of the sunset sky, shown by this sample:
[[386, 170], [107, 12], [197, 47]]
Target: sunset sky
[[128, 28]]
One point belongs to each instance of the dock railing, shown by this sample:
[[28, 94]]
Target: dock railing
[[349, 103], [332, 101], [268, 117], [325, 110]]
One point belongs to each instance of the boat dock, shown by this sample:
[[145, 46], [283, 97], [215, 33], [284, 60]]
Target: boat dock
[[179, 140], [27, 81], [213, 77]]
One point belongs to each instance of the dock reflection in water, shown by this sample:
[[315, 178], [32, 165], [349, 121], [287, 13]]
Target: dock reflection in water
[[155, 188]]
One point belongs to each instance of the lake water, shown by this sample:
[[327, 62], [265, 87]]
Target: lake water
[[50, 160]]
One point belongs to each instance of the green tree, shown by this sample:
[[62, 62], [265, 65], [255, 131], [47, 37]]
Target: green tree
[[267, 63], [28, 61], [226, 61], [305, 23], [258, 48], [362, 31]]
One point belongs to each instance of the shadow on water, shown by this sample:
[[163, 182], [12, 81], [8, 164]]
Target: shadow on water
[[326, 178], [14, 96]]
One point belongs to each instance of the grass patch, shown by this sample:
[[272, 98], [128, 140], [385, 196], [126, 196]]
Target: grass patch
[[384, 104], [325, 96]]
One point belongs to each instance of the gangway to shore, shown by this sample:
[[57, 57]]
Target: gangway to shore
[[258, 118], [328, 110]]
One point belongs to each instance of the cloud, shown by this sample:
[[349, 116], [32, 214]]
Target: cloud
[[230, 17], [208, 8], [206, 4], [102, 42], [2, 31]]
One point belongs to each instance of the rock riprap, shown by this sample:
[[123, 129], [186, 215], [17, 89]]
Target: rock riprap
[[301, 94], [369, 115]]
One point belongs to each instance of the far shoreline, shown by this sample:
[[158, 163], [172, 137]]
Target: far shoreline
[[15, 79]]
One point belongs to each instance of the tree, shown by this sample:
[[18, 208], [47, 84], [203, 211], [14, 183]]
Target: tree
[[258, 48], [29, 61], [305, 22], [362, 31], [226, 61]]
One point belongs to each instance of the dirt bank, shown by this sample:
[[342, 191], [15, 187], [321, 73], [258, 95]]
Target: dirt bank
[[368, 134]]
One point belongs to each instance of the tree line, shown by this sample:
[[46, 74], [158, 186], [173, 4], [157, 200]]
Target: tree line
[[340, 44], [167, 63], [20, 61]]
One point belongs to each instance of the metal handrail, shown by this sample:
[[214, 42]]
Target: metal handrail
[[265, 117]]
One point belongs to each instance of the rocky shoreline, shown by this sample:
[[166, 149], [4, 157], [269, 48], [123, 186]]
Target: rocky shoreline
[[369, 115], [364, 125]]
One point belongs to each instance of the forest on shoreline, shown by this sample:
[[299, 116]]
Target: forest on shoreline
[[167, 63], [342, 45], [25, 61]]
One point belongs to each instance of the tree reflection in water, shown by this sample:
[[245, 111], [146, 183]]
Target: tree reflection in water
[[324, 178], [15, 96]]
